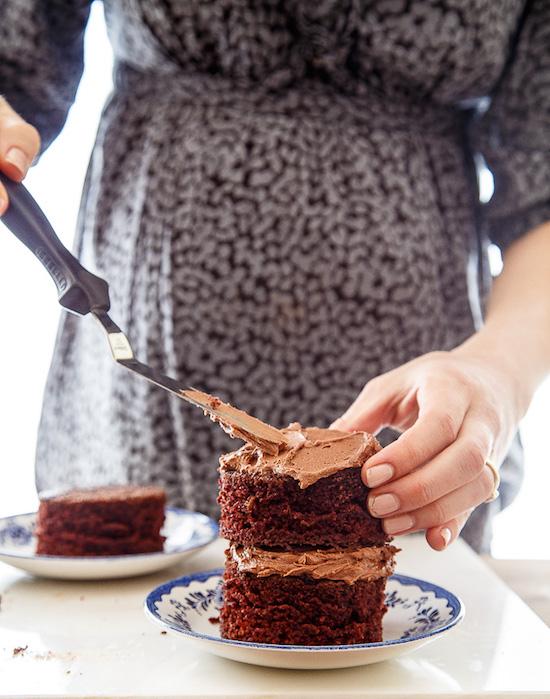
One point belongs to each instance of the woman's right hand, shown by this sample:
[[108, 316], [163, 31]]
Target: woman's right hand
[[19, 146]]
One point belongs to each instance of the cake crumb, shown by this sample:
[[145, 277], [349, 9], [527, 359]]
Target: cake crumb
[[214, 619], [163, 633], [20, 650]]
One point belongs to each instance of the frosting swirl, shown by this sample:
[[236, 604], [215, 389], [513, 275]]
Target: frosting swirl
[[350, 565], [314, 453]]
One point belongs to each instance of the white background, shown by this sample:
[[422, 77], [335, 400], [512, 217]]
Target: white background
[[30, 312]]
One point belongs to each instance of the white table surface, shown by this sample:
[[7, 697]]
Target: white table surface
[[93, 640]]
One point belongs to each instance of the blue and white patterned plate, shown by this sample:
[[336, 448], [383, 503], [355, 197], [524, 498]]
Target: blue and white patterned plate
[[418, 612], [186, 532]]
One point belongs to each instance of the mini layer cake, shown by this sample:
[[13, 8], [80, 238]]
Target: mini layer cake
[[109, 521], [310, 494], [307, 564]]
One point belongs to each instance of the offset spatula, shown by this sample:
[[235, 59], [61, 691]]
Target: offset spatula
[[82, 292]]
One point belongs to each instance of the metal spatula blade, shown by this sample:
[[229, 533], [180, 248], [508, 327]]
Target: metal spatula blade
[[236, 422], [82, 292]]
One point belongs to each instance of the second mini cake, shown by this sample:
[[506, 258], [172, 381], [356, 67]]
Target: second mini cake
[[307, 563], [110, 521]]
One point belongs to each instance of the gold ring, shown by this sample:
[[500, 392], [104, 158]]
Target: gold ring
[[496, 478]]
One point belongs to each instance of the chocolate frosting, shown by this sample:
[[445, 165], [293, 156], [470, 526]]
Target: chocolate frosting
[[313, 453], [237, 423], [350, 565]]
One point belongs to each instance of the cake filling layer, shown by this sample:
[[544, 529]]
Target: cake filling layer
[[350, 565], [316, 453]]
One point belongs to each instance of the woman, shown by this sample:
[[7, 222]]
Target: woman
[[282, 196]]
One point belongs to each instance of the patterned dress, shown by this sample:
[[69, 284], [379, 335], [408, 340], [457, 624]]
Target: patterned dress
[[283, 198]]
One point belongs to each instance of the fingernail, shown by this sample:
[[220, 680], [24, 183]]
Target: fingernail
[[16, 157], [398, 524], [446, 535], [3, 205], [383, 504], [376, 475]]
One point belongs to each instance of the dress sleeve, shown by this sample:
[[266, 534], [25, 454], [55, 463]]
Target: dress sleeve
[[41, 59], [513, 135]]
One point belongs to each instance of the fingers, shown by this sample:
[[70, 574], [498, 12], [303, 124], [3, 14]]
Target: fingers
[[435, 474], [376, 406], [445, 509], [437, 426], [19, 145], [442, 536], [391, 400], [458, 464]]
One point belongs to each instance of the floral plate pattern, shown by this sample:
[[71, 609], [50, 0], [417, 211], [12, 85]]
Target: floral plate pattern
[[418, 612], [186, 532]]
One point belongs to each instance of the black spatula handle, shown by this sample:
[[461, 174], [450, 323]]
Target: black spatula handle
[[79, 291]]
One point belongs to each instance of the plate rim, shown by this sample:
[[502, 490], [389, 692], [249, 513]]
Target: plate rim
[[212, 536], [457, 606]]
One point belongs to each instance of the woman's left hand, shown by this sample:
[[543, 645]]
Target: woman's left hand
[[457, 410]]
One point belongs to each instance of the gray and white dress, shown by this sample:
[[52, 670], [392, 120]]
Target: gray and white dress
[[283, 199]]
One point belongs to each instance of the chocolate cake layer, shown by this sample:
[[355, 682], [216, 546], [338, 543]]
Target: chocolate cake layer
[[300, 610], [113, 520], [97, 546], [272, 510]]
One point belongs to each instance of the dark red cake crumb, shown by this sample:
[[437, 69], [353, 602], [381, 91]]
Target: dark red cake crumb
[[109, 521], [274, 511], [300, 610]]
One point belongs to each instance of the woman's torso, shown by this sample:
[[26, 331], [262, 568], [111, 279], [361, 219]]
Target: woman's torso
[[282, 201]]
